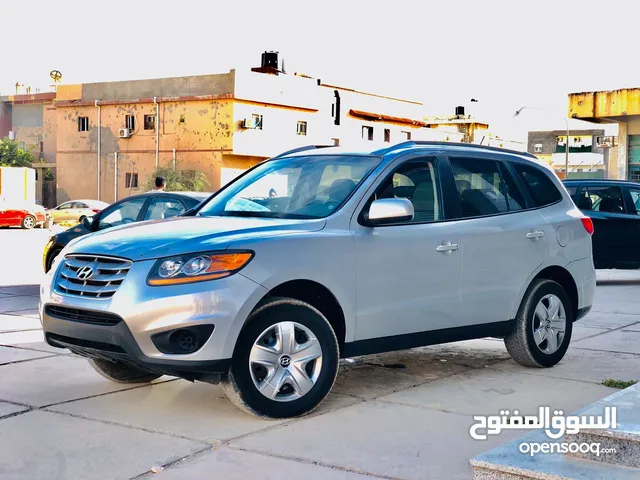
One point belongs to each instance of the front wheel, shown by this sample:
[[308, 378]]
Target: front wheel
[[543, 326], [122, 373], [285, 361], [28, 222]]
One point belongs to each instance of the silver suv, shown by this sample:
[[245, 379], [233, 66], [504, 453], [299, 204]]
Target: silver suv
[[318, 254]]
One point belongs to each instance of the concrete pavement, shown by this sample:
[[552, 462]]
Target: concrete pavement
[[398, 415]]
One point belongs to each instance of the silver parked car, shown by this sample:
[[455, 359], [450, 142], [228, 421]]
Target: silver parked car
[[319, 254]]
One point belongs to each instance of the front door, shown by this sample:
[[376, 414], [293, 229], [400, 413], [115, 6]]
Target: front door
[[408, 273], [503, 244]]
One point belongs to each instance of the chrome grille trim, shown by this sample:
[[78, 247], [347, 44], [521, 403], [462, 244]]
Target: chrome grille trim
[[108, 274]]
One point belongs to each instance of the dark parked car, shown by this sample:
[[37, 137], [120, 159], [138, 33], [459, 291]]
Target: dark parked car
[[138, 208], [614, 206]]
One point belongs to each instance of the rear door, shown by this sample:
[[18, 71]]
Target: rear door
[[503, 242], [613, 239]]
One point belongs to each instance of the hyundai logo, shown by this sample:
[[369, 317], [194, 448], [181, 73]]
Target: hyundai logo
[[84, 273], [285, 360]]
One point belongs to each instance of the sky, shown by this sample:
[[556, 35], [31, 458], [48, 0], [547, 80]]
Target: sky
[[504, 53]]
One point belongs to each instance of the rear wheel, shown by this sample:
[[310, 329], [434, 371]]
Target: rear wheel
[[285, 361], [122, 373], [28, 222], [543, 328]]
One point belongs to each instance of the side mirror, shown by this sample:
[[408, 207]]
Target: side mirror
[[389, 210], [87, 222]]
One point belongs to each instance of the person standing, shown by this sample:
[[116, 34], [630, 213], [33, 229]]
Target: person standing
[[161, 184]]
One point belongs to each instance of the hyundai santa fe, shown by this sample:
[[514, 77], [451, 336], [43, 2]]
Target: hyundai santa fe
[[318, 254]]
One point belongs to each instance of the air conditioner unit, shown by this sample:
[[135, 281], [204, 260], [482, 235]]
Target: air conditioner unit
[[249, 123], [124, 133]]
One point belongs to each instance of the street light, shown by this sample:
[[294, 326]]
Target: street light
[[566, 151]]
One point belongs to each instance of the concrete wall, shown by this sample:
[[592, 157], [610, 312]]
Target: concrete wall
[[160, 87], [26, 123], [200, 131], [5, 118]]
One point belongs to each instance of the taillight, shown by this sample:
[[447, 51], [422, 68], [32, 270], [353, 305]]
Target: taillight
[[95, 210], [587, 223]]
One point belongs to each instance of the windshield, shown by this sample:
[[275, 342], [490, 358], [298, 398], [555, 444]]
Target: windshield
[[294, 187]]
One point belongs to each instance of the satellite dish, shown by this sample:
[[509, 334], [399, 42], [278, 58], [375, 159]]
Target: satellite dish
[[55, 75]]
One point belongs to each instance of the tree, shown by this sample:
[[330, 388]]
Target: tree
[[180, 181], [13, 156]]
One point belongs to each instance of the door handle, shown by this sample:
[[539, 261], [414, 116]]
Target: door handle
[[535, 235], [447, 247]]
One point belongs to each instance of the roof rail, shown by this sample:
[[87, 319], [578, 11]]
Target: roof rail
[[301, 149], [410, 143]]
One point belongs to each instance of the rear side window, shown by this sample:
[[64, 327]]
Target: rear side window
[[541, 187], [572, 189], [601, 199], [482, 189]]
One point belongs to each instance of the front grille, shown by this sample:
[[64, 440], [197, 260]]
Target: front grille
[[101, 281], [79, 315]]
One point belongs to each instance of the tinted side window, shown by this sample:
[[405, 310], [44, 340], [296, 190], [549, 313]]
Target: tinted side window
[[126, 212], [161, 208], [541, 187], [480, 186], [416, 181], [572, 189], [635, 198], [601, 199]]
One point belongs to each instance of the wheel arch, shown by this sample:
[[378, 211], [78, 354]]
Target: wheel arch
[[316, 295], [563, 277]]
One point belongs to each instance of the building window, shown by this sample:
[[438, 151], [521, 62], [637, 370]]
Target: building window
[[131, 180], [149, 122], [130, 122], [335, 108], [367, 132], [336, 142], [302, 128], [387, 135], [537, 148], [83, 124], [407, 135]]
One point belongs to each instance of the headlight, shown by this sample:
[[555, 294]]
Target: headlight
[[197, 267]]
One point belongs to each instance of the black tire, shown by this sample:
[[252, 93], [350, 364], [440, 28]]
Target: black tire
[[28, 222], [51, 256], [122, 373], [520, 342], [238, 383]]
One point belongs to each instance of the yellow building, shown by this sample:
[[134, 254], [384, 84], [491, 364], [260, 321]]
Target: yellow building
[[621, 107], [218, 124]]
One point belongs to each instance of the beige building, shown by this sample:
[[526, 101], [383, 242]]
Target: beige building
[[217, 124]]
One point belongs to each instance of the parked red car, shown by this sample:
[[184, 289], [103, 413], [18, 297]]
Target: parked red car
[[21, 214]]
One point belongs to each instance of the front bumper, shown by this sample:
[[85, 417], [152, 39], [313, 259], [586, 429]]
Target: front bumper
[[146, 311]]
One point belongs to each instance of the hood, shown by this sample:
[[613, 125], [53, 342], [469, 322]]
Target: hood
[[181, 235]]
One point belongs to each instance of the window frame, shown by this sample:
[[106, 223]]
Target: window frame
[[301, 128], [153, 121], [82, 120], [627, 201], [130, 122], [524, 188], [504, 165], [388, 170], [370, 133]]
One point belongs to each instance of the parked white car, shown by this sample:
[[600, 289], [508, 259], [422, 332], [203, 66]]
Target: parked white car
[[416, 244]]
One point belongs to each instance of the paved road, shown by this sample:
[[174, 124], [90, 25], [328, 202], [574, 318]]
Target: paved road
[[400, 415]]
